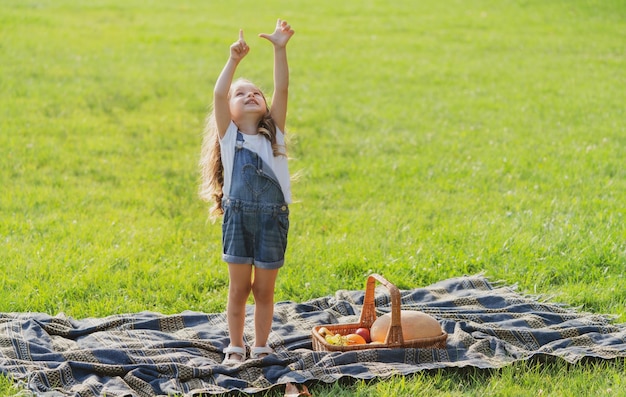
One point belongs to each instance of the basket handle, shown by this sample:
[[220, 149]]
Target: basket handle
[[368, 314]]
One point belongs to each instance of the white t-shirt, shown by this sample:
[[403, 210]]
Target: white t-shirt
[[262, 147]]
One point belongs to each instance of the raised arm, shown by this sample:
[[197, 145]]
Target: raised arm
[[279, 39], [238, 50]]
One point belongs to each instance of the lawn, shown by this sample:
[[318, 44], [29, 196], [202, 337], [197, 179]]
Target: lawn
[[429, 140]]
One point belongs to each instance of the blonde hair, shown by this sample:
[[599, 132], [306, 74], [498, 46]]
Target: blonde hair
[[211, 167]]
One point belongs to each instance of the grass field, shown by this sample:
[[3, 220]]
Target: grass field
[[431, 139]]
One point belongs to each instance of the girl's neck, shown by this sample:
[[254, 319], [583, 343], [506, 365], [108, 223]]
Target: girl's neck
[[248, 127]]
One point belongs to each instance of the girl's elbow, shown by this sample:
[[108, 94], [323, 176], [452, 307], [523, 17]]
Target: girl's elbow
[[220, 95]]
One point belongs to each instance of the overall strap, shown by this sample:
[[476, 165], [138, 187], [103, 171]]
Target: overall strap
[[240, 140]]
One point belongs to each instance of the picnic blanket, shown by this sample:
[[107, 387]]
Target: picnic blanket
[[489, 324]]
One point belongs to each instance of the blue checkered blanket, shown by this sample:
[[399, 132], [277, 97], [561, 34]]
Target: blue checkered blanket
[[146, 354]]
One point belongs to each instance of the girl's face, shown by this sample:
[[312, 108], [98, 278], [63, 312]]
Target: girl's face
[[246, 99]]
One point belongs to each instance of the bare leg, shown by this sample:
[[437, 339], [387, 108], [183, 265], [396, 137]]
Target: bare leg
[[238, 292], [263, 291]]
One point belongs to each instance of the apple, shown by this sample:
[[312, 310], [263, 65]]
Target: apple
[[364, 333]]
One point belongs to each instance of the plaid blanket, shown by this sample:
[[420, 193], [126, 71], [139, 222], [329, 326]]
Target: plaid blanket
[[147, 354]]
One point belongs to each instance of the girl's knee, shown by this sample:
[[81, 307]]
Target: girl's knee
[[239, 292], [263, 294]]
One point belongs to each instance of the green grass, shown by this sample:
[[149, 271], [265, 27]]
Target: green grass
[[432, 139], [520, 379]]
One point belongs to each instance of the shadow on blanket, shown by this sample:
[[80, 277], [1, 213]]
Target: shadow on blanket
[[147, 354]]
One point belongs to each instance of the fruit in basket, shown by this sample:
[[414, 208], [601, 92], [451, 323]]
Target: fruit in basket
[[355, 339], [325, 331], [414, 324], [335, 339], [365, 334]]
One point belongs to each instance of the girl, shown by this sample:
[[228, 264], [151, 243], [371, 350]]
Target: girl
[[245, 174]]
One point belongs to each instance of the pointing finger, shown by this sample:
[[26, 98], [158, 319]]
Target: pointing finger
[[241, 34]]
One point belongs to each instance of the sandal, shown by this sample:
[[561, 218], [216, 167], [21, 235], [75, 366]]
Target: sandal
[[260, 351], [230, 351]]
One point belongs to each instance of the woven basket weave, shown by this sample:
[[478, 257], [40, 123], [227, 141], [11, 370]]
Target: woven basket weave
[[394, 337]]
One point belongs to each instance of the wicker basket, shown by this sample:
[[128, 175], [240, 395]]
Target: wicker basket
[[368, 316]]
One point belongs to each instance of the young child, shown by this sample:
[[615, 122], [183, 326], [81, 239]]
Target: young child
[[245, 174]]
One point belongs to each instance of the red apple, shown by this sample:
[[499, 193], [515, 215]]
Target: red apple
[[364, 333]]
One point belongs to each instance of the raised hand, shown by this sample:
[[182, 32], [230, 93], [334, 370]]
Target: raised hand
[[281, 35], [239, 48]]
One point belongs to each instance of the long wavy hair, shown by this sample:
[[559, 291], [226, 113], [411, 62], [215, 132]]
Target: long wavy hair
[[211, 167]]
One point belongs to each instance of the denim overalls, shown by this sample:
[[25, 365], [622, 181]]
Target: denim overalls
[[256, 217]]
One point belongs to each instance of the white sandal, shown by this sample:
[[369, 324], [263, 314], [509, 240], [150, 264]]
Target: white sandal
[[228, 355], [260, 351]]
